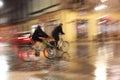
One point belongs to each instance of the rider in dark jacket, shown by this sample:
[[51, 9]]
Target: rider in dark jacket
[[37, 37], [58, 30], [39, 33]]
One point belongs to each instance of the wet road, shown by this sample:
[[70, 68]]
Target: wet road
[[88, 61]]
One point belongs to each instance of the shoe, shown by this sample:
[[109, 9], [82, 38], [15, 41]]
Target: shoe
[[58, 48]]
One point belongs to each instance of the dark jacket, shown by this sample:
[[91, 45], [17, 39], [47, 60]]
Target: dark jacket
[[58, 30], [39, 33]]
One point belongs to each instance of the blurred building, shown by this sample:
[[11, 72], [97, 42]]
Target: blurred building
[[83, 20]]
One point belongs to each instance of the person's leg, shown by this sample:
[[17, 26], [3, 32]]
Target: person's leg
[[36, 48], [36, 45], [56, 40]]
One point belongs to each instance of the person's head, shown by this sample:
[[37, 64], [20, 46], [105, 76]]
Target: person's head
[[60, 24], [38, 27], [41, 24]]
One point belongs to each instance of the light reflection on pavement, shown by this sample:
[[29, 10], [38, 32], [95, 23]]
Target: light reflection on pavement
[[88, 61]]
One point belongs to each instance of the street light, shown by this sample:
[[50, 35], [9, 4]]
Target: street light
[[1, 3]]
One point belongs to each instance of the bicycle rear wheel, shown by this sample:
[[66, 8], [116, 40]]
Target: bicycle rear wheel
[[65, 46], [50, 53]]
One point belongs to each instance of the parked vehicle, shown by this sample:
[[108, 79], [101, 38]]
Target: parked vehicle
[[22, 38]]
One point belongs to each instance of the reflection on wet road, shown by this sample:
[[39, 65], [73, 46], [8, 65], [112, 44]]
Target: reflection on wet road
[[88, 61]]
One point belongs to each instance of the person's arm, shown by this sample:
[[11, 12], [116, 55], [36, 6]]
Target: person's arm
[[61, 31], [43, 34]]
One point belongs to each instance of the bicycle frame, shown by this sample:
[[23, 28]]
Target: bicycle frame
[[61, 42]]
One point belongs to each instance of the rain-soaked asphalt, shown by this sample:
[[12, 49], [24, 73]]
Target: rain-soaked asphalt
[[88, 61]]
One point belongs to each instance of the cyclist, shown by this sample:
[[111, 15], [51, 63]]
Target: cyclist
[[37, 37], [55, 33]]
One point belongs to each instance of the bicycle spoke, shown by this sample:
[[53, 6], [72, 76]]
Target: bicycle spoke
[[65, 46], [66, 56], [50, 53]]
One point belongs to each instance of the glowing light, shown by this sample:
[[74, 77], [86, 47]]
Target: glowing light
[[100, 71], [103, 0], [100, 74], [100, 7], [1, 4], [4, 67]]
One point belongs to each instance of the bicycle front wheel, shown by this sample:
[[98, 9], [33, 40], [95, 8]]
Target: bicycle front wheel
[[65, 46], [50, 53], [66, 56]]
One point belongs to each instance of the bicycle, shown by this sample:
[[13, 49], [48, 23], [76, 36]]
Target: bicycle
[[52, 51], [63, 45], [29, 53]]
